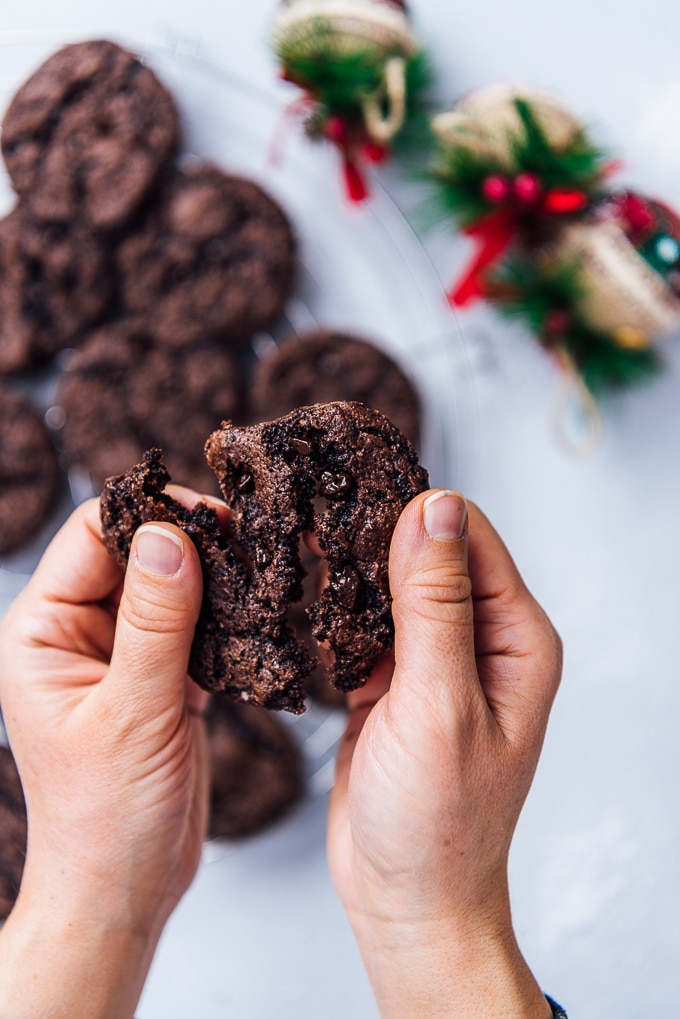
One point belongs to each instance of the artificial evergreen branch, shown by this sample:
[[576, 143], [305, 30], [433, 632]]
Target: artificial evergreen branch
[[536, 295], [337, 82]]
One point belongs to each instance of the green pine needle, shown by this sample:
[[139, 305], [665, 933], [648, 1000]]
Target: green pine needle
[[415, 139], [579, 166], [459, 173], [339, 81], [528, 293]]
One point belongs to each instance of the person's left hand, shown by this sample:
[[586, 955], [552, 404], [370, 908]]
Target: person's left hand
[[107, 732]]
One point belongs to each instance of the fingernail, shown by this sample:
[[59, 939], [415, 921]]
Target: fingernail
[[158, 551], [212, 500], [444, 515]]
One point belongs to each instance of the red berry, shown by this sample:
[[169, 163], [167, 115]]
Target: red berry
[[527, 188], [496, 189]]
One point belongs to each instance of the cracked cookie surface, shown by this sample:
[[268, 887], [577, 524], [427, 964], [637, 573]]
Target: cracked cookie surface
[[29, 471], [326, 365], [87, 135], [13, 831], [214, 257], [124, 392], [55, 282], [255, 767]]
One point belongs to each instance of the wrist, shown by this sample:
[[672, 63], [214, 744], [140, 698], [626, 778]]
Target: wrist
[[447, 967], [98, 881], [65, 950]]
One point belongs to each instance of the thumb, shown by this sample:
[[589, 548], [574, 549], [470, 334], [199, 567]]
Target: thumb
[[156, 617], [432, 597]]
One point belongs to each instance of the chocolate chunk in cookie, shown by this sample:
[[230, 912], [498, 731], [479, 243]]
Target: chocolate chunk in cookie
[[87, 135], [29, 471], [13, 832], [214, 257], [55, 282], [124, 392], [255, 769], [326, 365]]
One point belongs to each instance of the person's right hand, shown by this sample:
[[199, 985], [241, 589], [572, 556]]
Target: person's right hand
[[438, 757]]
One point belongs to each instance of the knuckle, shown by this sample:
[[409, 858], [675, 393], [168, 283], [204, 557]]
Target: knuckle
[[152, 614], [441, 593], [441, 584]]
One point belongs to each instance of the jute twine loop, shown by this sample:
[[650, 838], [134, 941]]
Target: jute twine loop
[[382, 127]]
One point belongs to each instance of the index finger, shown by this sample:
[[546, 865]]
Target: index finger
[[76, 567]]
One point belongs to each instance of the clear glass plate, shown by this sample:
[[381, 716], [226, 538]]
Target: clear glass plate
[[361, 269]]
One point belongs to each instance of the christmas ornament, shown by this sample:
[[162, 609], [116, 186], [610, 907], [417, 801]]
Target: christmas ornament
[[512, 164], [362, 73], [594, 273], [652, 228], [488, 124], [602, 291], [624, 293], [555, 300]]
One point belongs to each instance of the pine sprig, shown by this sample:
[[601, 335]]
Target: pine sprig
[[338, 82], [578, 166], [522, 290], [415, 137], [459, 172]]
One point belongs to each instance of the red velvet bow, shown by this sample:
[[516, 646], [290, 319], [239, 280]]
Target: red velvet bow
[[496, 232], [356, 149], [355, 146]]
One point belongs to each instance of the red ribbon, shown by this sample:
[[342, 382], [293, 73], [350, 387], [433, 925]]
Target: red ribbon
[[496, 232], [356, 147], [636, 212], [356, 187]]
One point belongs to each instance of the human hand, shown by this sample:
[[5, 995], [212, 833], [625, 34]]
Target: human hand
[[107, 732], [438, 757]]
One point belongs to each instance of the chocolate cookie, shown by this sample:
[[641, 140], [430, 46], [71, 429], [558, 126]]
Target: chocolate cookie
[[255, 769], [214, 257], [240, 647], [270, 474], [55, 282], [366, 471], [13, 832], [123, 392], [323, 366], [87, 135], [29, 471]]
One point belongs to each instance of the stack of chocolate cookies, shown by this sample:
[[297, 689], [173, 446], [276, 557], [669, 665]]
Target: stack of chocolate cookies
[[156, 271], [153, 273], [136, 280]]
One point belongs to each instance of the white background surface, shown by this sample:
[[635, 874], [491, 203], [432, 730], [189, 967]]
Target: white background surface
[[594, 877]]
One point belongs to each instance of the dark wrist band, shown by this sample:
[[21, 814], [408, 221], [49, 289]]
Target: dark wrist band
[[557, 1010]]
